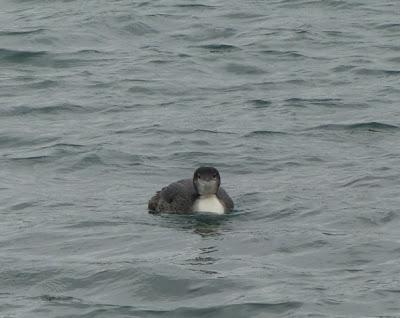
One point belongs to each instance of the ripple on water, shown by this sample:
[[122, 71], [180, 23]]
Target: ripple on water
[[219, 48], [104, 101], [54, 60], [359, 127], [65, 108]]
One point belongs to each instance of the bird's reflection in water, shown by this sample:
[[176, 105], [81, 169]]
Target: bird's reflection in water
[[203, 224], [208, 224]]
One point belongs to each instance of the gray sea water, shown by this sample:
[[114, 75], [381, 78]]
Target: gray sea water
[[296, 102]]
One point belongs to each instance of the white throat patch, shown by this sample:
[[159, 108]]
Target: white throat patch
[[208, 203]]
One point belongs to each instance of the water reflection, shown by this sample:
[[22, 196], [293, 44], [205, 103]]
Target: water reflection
[[203, 224]]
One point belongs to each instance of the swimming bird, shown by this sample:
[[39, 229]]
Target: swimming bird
[[202, 193]]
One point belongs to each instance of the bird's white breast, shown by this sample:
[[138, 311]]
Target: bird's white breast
[[209, 204]]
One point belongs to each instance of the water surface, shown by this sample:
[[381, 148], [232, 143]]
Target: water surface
[[295, 102]]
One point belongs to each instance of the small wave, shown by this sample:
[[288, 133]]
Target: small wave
[[365, 181], [209, 131], [241, 69], [92, 224], [139, 28], [287, 54], [16, 56], [238, 310], [89, 51], [243, 15], [264, 133], [59, 299], [377, 72], [16, 141], [54, 109], [394, 59], [141, 90], [368, 126], [28, 32], [22, 206], [191, 154], [87, 161], [45, 84], [219, 48], [343, 68], [389, 26], [203, 33], [249, 309], [31, 159], [45, 58], [195, 6], [64, 145], [331, 102], [260, 103]]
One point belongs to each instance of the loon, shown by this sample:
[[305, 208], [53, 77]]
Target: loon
[[202, 193]]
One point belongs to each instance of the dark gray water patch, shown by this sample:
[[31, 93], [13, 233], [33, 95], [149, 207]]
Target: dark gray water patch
[[44, 84], [196, 6], [336, 4], [156, 129], [210, 131], [60, 109], [304, 102], [61, 205], [200, 32], [65, 147], [264, 133], [284, 213], [15, 56], [26, 278], [242, 69], [31, 160], [301, 247], [22, 33], [238, 310], [141, 89], [21, 140], [219, 48], [339, 34], [48, 59], [288, 55], [140, 29], [244, 15], [88, 160], [23, 205], [89, 52], [394, 60], [389, 27], [369, 181], [260, 103], [372, 126], [234, 310], [377, 219], [377, 72], [48, 152], [343, 68], [59, 299]]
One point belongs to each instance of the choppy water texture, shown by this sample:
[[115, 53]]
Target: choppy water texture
[[296, 102]]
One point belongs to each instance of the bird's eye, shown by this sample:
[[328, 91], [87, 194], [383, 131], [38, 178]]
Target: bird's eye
[[198, 176], [214, 176]]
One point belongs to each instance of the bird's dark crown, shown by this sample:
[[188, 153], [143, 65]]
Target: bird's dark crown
[[206, 173]]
